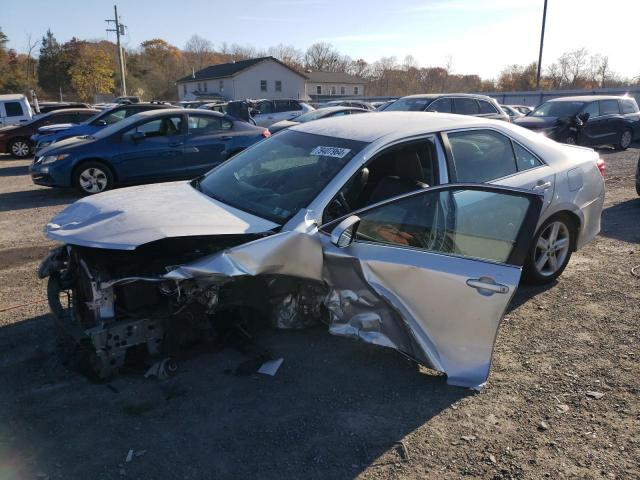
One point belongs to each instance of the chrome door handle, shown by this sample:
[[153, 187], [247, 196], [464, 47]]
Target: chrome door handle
[[487, 286], [542, 186]]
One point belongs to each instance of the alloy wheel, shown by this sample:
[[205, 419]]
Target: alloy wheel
[[93, 180], [625, 139], [552, 248], [20, 149]]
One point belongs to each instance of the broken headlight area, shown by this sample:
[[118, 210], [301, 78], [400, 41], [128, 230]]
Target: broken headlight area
[[114, 308]]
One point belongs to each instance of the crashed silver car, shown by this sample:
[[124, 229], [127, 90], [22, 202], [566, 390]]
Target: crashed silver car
[[379, 225]]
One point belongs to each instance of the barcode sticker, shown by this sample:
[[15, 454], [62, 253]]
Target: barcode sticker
[[335, 152]]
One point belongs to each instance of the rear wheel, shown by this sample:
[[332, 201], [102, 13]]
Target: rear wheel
[[20, 147], [92, 177], [551, 250], [625, 140]]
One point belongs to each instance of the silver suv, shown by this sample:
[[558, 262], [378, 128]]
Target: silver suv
[[460, 103]]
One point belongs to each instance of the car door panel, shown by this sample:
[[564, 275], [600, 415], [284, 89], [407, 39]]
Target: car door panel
[[441, 308]]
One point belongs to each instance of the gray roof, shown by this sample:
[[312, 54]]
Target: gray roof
[[585, 98], [333, 77], [230, 69]]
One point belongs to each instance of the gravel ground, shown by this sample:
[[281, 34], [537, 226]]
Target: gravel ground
[[337, 408]]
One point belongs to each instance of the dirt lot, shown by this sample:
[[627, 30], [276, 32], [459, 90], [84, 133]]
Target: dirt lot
[[337, 408]]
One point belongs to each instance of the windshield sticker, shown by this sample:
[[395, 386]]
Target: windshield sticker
[[335, 152]]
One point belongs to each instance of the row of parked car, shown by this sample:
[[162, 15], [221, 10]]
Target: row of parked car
[[132, 142]]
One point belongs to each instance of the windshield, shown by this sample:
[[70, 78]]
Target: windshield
[[93, 117], [114, 127], [409, 105], [281, 174], [312, 115], [557, 109]]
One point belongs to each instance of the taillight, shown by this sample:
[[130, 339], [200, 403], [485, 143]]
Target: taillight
[[601, 165], [266, 133]]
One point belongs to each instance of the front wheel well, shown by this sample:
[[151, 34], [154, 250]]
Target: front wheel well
[[87, 160]]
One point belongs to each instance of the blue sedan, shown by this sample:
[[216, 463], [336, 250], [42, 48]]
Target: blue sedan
[[158, 145]]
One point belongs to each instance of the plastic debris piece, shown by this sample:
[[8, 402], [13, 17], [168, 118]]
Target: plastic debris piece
[[596, 395], [271, 367], [129, 456]]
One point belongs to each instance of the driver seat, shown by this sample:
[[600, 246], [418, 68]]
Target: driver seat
[[409, 177]]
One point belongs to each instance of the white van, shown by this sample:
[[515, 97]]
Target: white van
[[14, 110]]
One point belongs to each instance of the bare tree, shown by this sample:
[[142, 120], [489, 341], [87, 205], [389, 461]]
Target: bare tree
[[199, 52], [287, 54], [30, 63], [323, 57]]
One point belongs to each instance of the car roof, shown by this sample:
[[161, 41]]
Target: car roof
[[367, 127], [586, 98], [151, 113], [12, 96], [438, 95]]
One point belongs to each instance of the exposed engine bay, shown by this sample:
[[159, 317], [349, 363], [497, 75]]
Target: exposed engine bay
[[114, 305]]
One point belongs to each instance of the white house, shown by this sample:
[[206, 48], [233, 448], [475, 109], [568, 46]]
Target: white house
[[264, 77], [338, 84]]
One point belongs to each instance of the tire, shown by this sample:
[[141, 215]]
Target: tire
[[570, 140], [92, 177], [20, 147], [545, 262], [626, 137]]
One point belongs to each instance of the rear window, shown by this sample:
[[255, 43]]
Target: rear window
[[629, 105], [486, 107], [13, 109], [408, 105], [466, 106]]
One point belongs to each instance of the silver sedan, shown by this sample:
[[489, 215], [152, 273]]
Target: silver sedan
[[405, 230]]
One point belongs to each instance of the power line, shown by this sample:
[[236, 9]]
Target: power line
[[544, 21]]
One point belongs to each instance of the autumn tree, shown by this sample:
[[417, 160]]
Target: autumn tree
[[322, 56], [53, 75], [91, 72], [199, 53]]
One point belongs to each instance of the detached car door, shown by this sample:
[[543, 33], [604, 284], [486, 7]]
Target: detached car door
[[431, 273]]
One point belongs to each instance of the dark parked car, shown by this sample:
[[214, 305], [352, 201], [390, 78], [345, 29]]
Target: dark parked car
[[587, 120], [315, 115], [16, 139], [460, 103], [150, 146], [638, 177], [54, 133]]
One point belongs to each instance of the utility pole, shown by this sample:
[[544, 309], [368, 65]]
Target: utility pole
[[119, 29], [544, 21]]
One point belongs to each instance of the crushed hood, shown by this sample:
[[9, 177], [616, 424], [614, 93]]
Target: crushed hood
[[127, 218]]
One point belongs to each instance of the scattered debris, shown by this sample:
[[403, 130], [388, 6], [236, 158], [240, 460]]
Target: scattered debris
[[140, 453], [271, 367], [162, 370], [596, 395], [129, 456], [543, 426], [563, 408], [492, 458], [469, 438], [404, 452]]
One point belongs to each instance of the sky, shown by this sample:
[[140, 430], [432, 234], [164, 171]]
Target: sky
[[480, 36]]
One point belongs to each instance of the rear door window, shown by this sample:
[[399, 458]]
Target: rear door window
[[609, 107], [265, 107], [442, 105], [466, 106], [204, 124], [112, 117], [13, 109], [524, 158], [481, 155]]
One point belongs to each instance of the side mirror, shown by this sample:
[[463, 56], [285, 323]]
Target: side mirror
[[137, 136], [342, 235], [584, 117]]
